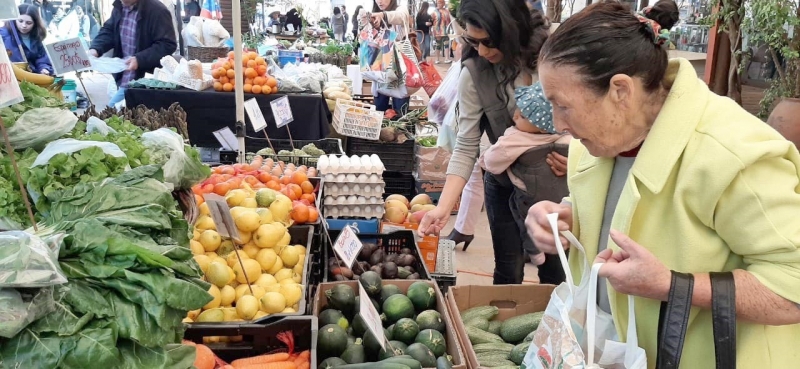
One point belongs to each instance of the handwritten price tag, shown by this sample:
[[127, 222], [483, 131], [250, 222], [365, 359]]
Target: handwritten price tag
[[254, 112], [221, 215], [371, 316], [348, 245], [10, 93], [68, 56], [282, 111]]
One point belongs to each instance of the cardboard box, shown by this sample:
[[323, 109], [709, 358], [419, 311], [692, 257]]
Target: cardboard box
[[453, 343], [434, 190], [428, 245], [512, 300]]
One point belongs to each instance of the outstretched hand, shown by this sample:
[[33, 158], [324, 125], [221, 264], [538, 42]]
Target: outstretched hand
[[634, 270]]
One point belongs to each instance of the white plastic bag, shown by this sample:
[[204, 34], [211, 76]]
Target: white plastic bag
[[36, 127], [572, 323], [108, 65], [448, 130], [95, 124], [69, 145], [445, 96], [26, 261], [167, 148]]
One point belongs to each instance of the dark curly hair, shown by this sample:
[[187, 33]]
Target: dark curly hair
[[665, 13]]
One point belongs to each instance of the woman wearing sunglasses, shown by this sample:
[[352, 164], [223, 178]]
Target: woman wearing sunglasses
[[503, 38]]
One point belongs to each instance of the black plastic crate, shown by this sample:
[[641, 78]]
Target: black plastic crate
[[391, 243], [258, 339], [331, 146], [395, 156], [399, 183]]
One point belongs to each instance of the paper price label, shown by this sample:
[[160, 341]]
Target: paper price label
[[254, 112], [348, 246], [371, 316], [68, 56], [221, 215], [282, 111], [10, 93]]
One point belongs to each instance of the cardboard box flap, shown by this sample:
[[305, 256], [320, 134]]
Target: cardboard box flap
[[512, 300]]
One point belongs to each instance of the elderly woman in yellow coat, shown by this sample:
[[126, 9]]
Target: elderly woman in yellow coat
[[665, 175]]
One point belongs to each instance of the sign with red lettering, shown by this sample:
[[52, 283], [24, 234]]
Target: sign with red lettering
[[68, 56], [10, 93]]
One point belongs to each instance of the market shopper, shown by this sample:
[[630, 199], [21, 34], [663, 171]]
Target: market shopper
[[664, 176], [441, 19], [424, 22], [389, 13], [503, 41], [23, 40], [139, 31], [339, 24]]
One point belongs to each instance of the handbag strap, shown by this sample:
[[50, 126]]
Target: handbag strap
[[673, 321], [723, 312]]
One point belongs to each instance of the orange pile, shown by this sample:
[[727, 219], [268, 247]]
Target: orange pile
[[256, 78]]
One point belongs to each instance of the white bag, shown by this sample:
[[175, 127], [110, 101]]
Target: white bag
[[572, 323]]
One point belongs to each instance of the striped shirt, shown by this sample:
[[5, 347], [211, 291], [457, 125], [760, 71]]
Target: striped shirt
[[127, 29]]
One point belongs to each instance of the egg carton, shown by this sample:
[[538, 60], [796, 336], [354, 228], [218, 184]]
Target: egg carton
[[353, 178], [360, 211], [332, 164], [353, 200], [360, 189]]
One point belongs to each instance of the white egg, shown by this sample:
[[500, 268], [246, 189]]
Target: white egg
[[367, 190], [351, 177], [373, 200], [378, 188], [345, 189], [356, 188], [344, 164], [352, 200], [374, 178], [330, 177], [356, 211], [334, 165], [355, 163], [378, 209], [341, 177], [329, 200], [323, 163], [362, 200], [363, 177], [341, 200]]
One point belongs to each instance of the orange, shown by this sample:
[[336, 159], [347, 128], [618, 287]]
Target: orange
[[259, 81], [217, 86], [231, 55], [252, 55], [215, 73], [250, 73], [313, 214], [286, 180], [224, 80], [266, 90], [299, 177], [306, 185], [264, 177], [296, 190], [227, 87], [256, 89], [260, 61], [222, 188], [251, 180], [262, 70], [247, 88], [308, 197], [207, 188], [231, 74], [273, 185], [227, 66], [272, 82], [300, 213], [248, 81], [251, 64], [199, 200], [227, 169]]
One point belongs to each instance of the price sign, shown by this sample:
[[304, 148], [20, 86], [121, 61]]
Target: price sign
[[254, 112], [282, 111], [221, 214], [348, 245], [68, 56], [371, 316], [227, 139], [8, 9], [10, 93]]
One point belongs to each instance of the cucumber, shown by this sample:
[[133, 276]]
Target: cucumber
[[479, 323], [477, 336], [485, 312], [434, 340], [422, 354], [430, 319], [378, 365], [515, 329], [405, 330], [492, 347], [354, 354], [331, 362], [422, 295], [529, 337], [518, 352], [494, 327], [491, 356], [405, 360], [492, 364], [443, 363], [397, 307], [331, 341]]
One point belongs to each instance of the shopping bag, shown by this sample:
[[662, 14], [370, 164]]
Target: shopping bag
[[397, 88], [409, 61], [376, 55], [573, 332], [446, 94], [431, 76]]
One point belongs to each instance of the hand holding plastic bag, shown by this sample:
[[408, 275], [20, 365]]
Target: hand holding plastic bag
[[27, 261], [167, 148], [36, 127], [108, 65]]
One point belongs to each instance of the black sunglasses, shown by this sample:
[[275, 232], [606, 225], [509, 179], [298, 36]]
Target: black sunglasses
[[474, 42]]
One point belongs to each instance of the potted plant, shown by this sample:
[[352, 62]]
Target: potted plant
[[768, 24]]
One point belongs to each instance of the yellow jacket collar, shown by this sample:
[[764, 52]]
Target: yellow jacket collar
[[671, 131]]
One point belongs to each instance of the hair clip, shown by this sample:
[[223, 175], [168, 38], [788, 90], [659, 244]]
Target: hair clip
[[654, 29]]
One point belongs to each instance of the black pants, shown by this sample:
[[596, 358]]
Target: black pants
[[509, 258]]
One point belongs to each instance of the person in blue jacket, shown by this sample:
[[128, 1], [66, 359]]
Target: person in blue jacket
[[23, 40]]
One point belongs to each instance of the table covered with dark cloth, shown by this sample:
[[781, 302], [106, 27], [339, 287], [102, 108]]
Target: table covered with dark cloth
[[208, 111]]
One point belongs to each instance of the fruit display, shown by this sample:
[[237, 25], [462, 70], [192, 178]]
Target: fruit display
[[399, 210], [291, 359], [256, 78], [388, 265], [496, 342], [353, 186], [413, 326], [283, 190], [335, 90]]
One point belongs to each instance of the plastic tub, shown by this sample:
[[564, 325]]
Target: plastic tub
[[70, 92]]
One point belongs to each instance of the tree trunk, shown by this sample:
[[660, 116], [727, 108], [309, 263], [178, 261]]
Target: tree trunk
[[554, 9], [735, 36]]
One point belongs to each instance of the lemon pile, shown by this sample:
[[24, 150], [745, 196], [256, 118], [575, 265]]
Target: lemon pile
[[266, 277]]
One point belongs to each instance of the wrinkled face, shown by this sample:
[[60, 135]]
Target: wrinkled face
[[479, 39], [600, 121], [383, 4], [25, 24], [440, 4]]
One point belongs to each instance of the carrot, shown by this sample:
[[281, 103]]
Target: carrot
[[303, 357], [276, 365], [260, 359]]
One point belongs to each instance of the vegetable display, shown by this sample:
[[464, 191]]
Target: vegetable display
[[499, 343]]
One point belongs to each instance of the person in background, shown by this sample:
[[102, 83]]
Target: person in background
[[293, 18], [424, 22], [441, 19], [84, 26], [139, 31], [23, 40], [191, 8], [346, 18], [355, 22], [339, 24], [388, 12], [274, 19], [46, 9], [665, 13]]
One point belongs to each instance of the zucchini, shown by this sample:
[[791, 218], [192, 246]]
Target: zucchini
[[492, 347], [491, 356], [529, 337], [485, 312], [378, 365], [515, 329], [479, 323], [406, 360], [505, 367], [477, 336], [489, 364], [494, 327], [518, 352]]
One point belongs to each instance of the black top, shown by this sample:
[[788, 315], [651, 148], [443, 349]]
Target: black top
[[421, 20], [192, 9]]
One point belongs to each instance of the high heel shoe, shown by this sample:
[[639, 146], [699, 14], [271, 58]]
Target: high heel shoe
[[457, 237]]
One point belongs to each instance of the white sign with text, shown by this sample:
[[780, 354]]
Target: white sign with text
[[254, 112], [68, 56], [371, 316], [221, 215], [348, 246], [282, 111], [10, 93]]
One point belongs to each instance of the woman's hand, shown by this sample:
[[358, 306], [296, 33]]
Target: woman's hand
[[434, 221], [45, 72], [634, 270], [376, 19], [539, 227], [558, 163]]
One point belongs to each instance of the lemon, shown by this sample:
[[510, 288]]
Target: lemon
[[248, 221], [266, 258], [265, 215], [273, 288], [205, 223], [193, 314], [301, 249], [247, 307], [251, 250], [214, 303], [225, 248], [233, 260], [218, 274], [217, 259], [285, 240], [292, 280], [241, 290], [187, 320], [273, 302], [203, 262], [212, 255], [290, 255], [232, 276], [228, 295], [229, 314], [245, 237], [210, 240], [258, 291], [196, 247], [250, 203], [284, 274], [196, 234], [204, 210], [276, 267], [281, 208], [248, 271], [235, 212], [265, 197], [266, 280], [212, 315], [235, 197], [260, 314], [299, 267], [268, 235], [288, 310], [292, 293]]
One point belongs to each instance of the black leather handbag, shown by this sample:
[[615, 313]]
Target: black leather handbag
[[674, 317]]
